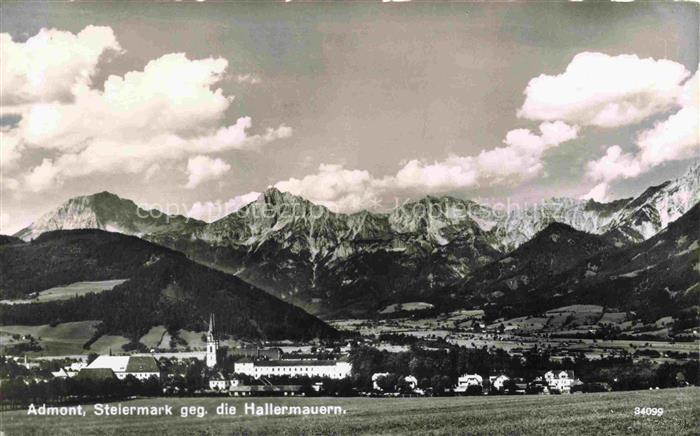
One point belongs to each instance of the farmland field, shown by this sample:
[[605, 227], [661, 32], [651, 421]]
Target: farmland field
[[69, 291], [594, 414], [66, 338], [526, 332]]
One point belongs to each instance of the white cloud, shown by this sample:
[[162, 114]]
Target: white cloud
[[335, 187], [606, 91], [10, 151], [613, 165], [203, 168], [239, 201], [4, 222], [599, 193], [151, 172], [344, 190], [170, 110], [41, 177], [453, 172], [520, 159], [9, 184], [48, 65], [675, 138], [213, 210], [249, 78], [172, 94]]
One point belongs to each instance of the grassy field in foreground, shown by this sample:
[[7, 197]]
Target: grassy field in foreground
[[593, 414]]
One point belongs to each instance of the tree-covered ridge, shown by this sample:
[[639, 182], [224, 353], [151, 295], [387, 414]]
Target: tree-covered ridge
[[164, 288]]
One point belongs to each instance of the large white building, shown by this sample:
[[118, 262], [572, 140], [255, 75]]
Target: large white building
[[336, 369], [141, 367], [467, 381], [561, 381]]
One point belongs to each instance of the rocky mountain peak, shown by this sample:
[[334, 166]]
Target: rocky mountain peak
[[274, 196], [106, 211]]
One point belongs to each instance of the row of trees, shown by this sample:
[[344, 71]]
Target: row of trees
[[439, 368], [22, 391], [435, 370]]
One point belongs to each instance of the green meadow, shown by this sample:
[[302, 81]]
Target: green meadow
[[579, 414]]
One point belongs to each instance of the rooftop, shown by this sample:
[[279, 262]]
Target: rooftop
[[142, 364], [295, 362], [115, 363], [95, 374], [266, 388], [125, 363]]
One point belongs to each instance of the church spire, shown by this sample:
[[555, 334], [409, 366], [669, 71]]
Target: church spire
[[212, 345]]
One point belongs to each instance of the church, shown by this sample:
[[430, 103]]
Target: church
[[257, 367], [212, 344]]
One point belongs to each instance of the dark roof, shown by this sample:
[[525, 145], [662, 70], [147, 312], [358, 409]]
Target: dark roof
[[559, 371], [266, 388], [295, 362], [142, 364], [95, 374]]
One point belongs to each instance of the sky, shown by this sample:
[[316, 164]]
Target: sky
[[195, 108]]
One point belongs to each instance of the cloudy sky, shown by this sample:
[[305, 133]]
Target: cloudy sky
[[353, 105]]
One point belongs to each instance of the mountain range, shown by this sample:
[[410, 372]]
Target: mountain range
[[562, 266], [334, 264]]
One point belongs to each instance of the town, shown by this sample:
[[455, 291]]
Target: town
[[350, 367]]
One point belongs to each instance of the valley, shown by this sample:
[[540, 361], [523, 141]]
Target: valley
[[436, 249], [565, 332], [574, 276]]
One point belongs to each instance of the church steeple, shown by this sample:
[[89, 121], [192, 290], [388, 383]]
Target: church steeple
[[212, 344]]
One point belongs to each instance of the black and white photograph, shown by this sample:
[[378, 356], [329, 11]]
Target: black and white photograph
[[378, 217]]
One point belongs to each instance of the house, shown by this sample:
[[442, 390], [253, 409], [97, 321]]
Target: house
[[69, 371], [498, 381], [411, 381], [560, 381], [336, 369], [375, 380], [141, 367], [467, 381], [25, 363], [218, 382], [77, 366], [266, 390], [520, 388], [64, 373]]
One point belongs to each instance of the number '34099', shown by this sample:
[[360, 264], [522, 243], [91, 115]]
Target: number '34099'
[[648, 411]]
